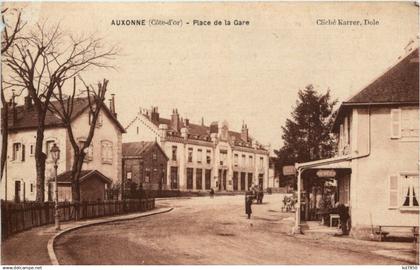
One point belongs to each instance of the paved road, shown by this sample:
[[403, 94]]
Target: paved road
[[205, 231]]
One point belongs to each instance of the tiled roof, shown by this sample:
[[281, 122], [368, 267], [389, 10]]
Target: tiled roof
[[399, 84], [199, 130], [136, 148], [28, 118], [84, 174]]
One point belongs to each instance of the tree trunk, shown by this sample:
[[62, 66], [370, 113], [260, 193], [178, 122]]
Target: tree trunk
[[4, 132], [75, 184], [40, 158]]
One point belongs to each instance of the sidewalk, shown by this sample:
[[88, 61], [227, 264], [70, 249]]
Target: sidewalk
[[404, 251], [31, 247]]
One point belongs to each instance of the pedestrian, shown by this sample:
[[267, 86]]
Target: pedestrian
[[343, 212], [248, 203], [212, 193]]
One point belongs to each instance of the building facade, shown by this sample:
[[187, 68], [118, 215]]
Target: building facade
[[104, 154], [144, 166], [377, 163], [203, 157]]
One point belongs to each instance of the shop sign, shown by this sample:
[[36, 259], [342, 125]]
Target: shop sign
[[289, 170], [326, 173]]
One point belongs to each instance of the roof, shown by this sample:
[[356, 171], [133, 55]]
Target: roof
[[28, 118], [200, 130], [139, 148], [84, 174], [398, 85]]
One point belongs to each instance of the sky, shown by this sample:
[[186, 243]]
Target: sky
[[237, 73]]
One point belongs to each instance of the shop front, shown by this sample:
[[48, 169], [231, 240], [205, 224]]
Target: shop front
[[322, 185]]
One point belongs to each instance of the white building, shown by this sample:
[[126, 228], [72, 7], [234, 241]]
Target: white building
[[19, 179], [202, 157], [377, 165]]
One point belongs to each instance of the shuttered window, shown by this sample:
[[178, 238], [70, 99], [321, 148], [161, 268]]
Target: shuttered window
[[395, 123], [106, 152], [393, 192]]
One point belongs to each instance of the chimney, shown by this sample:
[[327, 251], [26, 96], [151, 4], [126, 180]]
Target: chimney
[[154, 115], [13, 105], [175, 120], [214, 128], [186, 122], [112, 105], [244, 132], [28, 103]]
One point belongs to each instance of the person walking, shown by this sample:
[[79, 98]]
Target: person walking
[[248, 203], [212, 193]]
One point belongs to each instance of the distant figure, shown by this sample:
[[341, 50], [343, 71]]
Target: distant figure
[[343, 212], [212, 193], [248, 203]]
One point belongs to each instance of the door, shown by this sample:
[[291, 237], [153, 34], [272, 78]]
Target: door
[[243, 184], [17, 191], [235, 181], [208, 179], [250, 180], [174, 177], [224, 179], [261, 180]]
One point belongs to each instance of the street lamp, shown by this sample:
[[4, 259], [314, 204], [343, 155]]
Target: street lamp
[[55, 155]]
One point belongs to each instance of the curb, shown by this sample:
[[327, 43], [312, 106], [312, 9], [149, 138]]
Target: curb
[[50, 245]]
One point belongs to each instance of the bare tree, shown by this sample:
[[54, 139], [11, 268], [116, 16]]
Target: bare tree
[[42, 61], [64, 108], [10, 35]]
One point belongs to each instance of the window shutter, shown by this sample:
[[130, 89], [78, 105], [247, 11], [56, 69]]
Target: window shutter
[[395, 123], [90, 152], [393, 191], [23, 152]]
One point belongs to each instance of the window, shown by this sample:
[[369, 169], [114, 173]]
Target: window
[[243, 160], [16, 150], [48, 145], [32, 150], [410, 122], [154, 156], [403, 191], [199, 155], [147, 176], [251, 161], [106, 152], [208, 156], [223, 157], [129, 176], [88, 151], [32, 188], [410, 191], [261, 162], [174, 148], [99, 121], [235, 160], [190, 154], [395, 123]]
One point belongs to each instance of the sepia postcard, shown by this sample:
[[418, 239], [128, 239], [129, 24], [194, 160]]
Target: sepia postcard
[[209, 133]]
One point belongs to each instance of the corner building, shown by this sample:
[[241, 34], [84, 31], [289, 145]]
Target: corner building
[[202, 157]]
